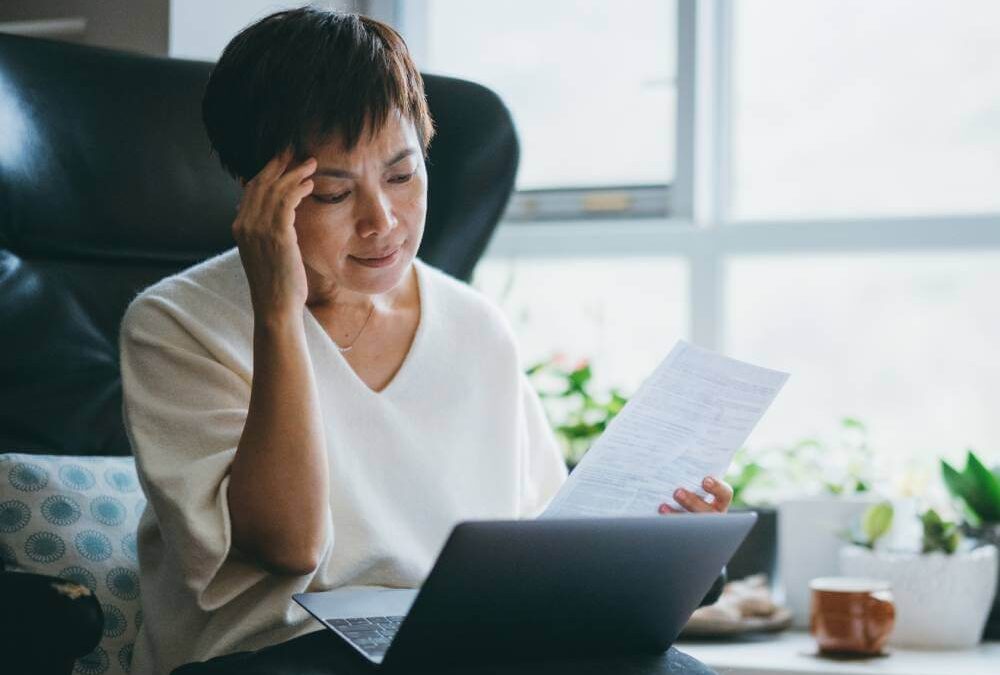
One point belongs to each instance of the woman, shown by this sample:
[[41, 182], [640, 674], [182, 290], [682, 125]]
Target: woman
[[317, 407]]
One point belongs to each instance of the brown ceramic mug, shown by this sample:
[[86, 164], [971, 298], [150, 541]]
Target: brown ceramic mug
[[851, 615]]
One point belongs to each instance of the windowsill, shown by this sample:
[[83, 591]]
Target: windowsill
[[794, 653]]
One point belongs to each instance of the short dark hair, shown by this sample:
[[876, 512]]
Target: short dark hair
[[298, 76]]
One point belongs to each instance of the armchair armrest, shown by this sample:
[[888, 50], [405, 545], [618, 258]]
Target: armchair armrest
[[46, 623]]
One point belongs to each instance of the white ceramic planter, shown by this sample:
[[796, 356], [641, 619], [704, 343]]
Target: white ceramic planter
[[941, 600], [808, 542]]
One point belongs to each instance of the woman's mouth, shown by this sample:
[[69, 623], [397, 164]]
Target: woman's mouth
[[378, 261]]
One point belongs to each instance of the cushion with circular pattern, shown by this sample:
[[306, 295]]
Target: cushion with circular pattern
[[76, 518]]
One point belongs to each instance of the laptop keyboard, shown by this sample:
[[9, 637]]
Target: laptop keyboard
[[371, 634]]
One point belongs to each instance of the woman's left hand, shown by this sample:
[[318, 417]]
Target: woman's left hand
[[720, 490]]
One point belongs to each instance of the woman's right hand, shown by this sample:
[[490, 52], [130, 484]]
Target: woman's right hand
[[265, 234]]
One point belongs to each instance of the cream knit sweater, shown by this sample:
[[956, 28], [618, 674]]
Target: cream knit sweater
[[458, 434]]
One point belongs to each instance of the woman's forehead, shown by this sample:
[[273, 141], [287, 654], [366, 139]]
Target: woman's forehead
[[396, 133]]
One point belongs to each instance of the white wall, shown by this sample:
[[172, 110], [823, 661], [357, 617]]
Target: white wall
[[201, 30], [190, 29], [131, 25]]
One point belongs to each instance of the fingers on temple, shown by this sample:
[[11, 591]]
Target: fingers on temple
[[276, 165]]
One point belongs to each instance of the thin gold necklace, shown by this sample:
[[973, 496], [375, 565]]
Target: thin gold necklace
[[348, 348]]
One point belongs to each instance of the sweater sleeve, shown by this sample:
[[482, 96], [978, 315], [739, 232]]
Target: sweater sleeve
[[543, 466], [185, 404]]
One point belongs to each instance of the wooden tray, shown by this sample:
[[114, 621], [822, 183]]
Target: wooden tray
[[697, 627]]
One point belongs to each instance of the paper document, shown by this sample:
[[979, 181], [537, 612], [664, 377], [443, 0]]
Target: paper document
[[685, 422]]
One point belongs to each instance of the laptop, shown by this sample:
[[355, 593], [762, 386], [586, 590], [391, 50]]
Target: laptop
[[527, 590]]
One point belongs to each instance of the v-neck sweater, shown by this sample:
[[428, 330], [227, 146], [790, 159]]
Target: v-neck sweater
[[457, 434]]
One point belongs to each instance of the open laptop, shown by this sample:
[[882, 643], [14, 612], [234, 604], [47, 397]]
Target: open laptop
[[534, 589]]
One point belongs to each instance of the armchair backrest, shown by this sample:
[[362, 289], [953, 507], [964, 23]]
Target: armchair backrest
[[107, 185]]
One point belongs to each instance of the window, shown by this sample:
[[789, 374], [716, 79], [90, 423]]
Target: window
[[622, 315], [591, 87], [853, 108], [904, 342]]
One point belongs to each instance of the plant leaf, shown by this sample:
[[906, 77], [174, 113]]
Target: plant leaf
[[939, 535], [976, 486], [987, 489], [578, 378], [953, 480], [852, 423], [535, 368], [876, 521]]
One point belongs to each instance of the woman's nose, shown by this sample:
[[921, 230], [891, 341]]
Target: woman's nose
[[375, 215]]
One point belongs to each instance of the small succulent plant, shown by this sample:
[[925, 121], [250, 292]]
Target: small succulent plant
[[875, 522], [939, 534], [977, 487]]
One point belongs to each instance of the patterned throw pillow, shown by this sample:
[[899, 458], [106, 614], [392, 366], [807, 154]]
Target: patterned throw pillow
[[76, 518]]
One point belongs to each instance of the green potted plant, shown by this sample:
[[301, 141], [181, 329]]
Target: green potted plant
[[937, 581], [978, 490], [578, 415]]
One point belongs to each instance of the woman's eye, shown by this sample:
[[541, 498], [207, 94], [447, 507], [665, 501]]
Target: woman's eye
[[402, 178], [333, 199]]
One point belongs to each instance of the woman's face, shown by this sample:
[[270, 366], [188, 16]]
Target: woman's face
[[360, 228]]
